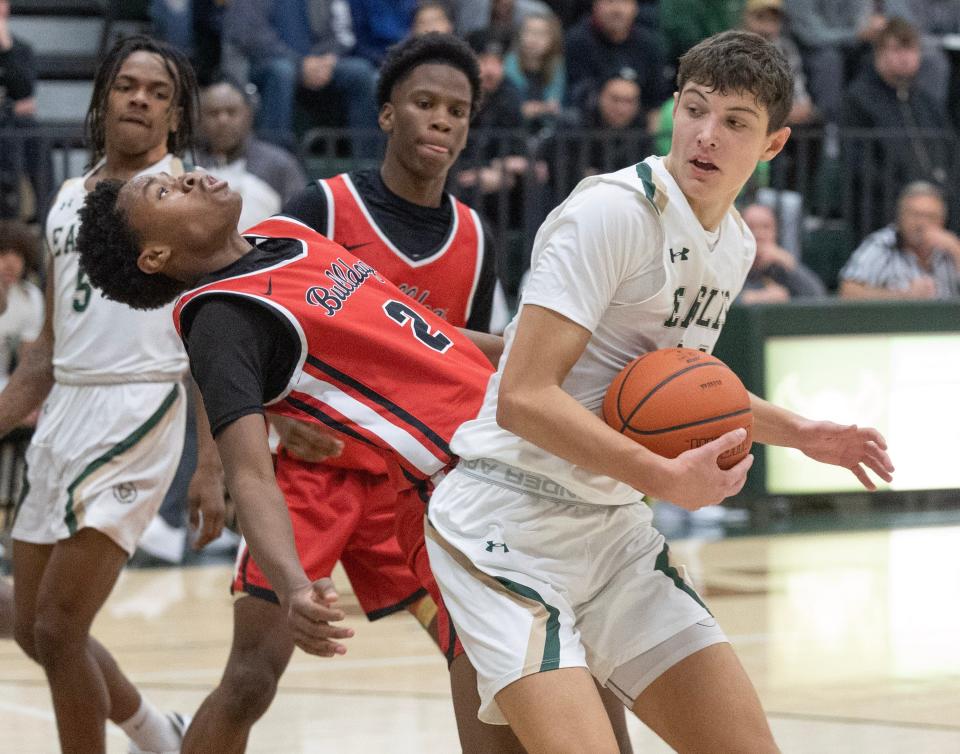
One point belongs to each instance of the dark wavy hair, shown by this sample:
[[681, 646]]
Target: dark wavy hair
[[740, 62], [448, 49], [109, 249], [184, 97]]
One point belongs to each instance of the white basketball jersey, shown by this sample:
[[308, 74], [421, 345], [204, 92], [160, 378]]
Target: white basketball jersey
[[98, 341], [625, 257]]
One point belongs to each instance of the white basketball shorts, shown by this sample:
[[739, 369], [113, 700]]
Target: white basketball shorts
[[534, 585], [102, 456]]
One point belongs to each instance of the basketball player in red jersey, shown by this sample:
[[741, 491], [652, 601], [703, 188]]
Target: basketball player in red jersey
[[285, 320], [397, 218]]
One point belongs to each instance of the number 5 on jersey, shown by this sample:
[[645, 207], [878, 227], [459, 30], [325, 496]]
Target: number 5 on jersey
[[402, 314]]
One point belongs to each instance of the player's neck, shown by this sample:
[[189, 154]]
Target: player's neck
[[233, 248], [123, 166], [426, 192]]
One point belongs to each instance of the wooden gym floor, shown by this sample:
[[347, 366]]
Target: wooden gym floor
[[852, 639]]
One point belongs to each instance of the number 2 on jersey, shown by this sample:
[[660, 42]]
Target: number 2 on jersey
[[82, 293], [402, 314]]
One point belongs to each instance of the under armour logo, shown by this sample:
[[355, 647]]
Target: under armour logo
[[681, 255], [491, 544]]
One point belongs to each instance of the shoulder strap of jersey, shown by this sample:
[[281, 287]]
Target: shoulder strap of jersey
[[653, 190]]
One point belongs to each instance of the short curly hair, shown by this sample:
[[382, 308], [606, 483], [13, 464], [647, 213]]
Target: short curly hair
[[434, 47], [109, 249]]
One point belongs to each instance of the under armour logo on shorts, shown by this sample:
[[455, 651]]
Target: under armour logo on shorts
[[491, 544]]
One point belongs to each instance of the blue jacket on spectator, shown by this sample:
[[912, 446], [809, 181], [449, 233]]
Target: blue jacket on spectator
[[379, 24]]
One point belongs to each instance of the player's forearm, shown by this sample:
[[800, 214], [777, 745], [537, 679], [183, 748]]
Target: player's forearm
[[774, 425], [265, 525], [208, 457], [490, 345], [29, 384], [552, 419]]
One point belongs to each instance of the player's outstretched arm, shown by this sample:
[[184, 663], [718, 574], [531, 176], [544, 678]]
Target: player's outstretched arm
[[849, 446], [32, 379], [248, 469], [533, 405]]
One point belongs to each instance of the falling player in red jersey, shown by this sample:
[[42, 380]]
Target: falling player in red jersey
[[287, 321]]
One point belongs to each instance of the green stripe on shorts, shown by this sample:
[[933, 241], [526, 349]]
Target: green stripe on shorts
[[70, 519], [551, 645], [663, 565]]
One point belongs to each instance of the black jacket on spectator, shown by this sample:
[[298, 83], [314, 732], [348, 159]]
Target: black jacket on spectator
[[17, 75], [591, 57], [883, 170]]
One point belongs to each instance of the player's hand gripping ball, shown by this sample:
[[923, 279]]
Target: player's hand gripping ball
[[675, 399]]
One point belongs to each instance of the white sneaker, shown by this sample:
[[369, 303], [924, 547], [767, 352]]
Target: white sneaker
[[163, 541], [180, 724]]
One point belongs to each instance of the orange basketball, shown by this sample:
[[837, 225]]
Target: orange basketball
[[676, 399]]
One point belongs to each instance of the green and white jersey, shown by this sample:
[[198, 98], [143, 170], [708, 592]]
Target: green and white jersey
[[98, 341], [624, 257]]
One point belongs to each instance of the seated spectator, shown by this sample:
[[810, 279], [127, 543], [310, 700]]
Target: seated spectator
[[886, 95], [936, 20], [776, 274], [18, 106], [265, 175], [432, 16], [765, 17], [914, 258], [378, 24], [535, 66], [615, 136], [305, 45], [506, 16], [833, 37], [194, 26], [683, 23], [20, 324], [495, 153], [608, 41]]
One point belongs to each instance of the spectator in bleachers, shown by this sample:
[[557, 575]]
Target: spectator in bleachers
[[195, 27], [507, 15], [379, 24], [886, 95], [833, 36], [18, 106], [20, 323], [617, 136], [495, 157], [765, 17], [916, 257], [432, 16], [301, 45], [17, 73], [683, 23], [535, 66], [776, 274], [936, 19], [608, 41], [264, 174]]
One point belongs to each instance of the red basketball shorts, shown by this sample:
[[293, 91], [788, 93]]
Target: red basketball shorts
[[363, 521]]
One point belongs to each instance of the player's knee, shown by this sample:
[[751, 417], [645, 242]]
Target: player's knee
[[248, 689], [23, 635], [56, 635]]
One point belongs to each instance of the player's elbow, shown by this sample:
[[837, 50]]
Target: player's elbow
[[514, 409]]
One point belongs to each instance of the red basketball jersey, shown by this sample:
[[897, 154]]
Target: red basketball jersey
[[445, 282], [373, 365]]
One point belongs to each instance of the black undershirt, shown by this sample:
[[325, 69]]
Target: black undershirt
[[241, 353], [415, 230]]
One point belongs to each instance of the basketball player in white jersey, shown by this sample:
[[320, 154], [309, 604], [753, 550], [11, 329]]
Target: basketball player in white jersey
[[110, 433], [540, 539]]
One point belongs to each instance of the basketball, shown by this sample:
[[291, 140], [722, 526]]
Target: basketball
[[675, 399]]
